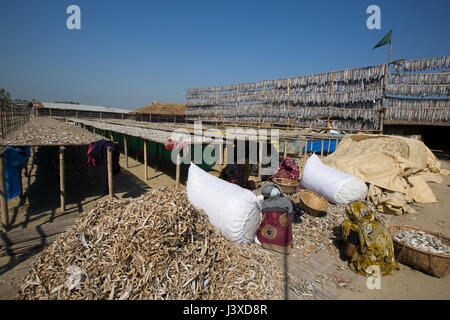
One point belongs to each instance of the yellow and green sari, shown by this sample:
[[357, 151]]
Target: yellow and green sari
[[376, 248]]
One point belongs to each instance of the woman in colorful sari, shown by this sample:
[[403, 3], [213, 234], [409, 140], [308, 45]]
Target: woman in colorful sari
[[287, 169], [369, 242]]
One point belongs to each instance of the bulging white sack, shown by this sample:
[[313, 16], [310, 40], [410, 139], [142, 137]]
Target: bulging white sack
[[332, 184], [233, 210]]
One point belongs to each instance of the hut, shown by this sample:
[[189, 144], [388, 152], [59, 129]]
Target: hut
[[161, 112]]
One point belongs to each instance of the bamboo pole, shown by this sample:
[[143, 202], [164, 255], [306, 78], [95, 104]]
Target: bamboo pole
[[110, 173], [125, 148], [62, 186], [260, 160], [145, 161], [329, 144], [321, 150], [285, 149], [3, 197], [177, 175], [225, 154], [221, 153]]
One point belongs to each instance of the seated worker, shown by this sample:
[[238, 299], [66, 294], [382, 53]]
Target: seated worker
[[368, 241], [275, 231], [236, 173], [287, 169]]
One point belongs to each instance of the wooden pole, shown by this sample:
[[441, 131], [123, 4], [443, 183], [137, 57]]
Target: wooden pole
[[125, 148], [145, 161], [285, 149], [260, 160], [321, 150], [112, 136], [110, 173], [3, 198], [177, 176], [329, 144], [62, 186], [221, 153], [225, 154], [306, 148]]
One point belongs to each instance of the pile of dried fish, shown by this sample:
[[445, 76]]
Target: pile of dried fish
[[422, 240], [312, 234], [156, 246], [47, 131]]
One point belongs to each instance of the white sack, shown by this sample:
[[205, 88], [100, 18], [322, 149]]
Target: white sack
[[233, 210], [332, 184]]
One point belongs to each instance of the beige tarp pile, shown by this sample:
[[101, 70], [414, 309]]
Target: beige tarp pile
[[396, 168]]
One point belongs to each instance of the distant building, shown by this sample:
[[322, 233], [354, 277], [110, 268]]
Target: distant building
[[161, 112], [78, 110]]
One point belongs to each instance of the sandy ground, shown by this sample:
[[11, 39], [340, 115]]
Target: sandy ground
[[41, 202]]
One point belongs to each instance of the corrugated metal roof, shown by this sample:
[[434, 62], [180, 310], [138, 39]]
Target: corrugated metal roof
[[82, 107]]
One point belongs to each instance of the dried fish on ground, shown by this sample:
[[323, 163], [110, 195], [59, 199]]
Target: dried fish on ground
[[422, 240], [157, 246], [313, 234]]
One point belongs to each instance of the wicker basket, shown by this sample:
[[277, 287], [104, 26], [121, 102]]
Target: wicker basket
[[435, 264], [313, 203], [288, 186]]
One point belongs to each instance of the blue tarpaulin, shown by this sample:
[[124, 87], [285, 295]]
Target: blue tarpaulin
[[15, 160], [316, 146]]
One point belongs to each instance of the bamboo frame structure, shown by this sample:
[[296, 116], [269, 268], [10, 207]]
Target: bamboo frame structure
[[62, 184], [110, 173]]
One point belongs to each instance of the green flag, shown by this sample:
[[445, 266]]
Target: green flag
[[386, 39]]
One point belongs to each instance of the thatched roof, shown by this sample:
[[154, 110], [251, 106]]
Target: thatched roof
[[163, 108]]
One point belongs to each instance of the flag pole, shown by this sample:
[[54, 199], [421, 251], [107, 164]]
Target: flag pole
[[390, 50]]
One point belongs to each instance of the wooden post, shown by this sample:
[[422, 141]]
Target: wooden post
[[221, 153], [177, 176], [110, 173], [145, 161], [285, 149], [329, 144], [62, 186], [306, 148], [112, 136], [321, 150], [260, 160], [225, 154], [3, 197], [125, 148]]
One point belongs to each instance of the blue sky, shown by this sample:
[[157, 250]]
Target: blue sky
[[130, 53]]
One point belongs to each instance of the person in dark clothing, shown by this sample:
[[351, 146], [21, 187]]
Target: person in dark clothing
[[236, 173], [99, 154]]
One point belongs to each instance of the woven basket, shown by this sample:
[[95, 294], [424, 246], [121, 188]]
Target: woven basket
[[313, 203], [288, 186], [435, 264]]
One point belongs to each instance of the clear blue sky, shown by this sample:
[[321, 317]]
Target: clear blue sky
[[130, 53]]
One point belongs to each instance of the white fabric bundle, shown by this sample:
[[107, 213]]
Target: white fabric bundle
[[334, 185], [233, 210]]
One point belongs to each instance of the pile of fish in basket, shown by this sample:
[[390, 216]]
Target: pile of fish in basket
[[157, 246]]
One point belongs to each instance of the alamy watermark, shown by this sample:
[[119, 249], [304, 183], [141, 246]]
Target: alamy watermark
[[246, 145], [73, 21], [374, 20]]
